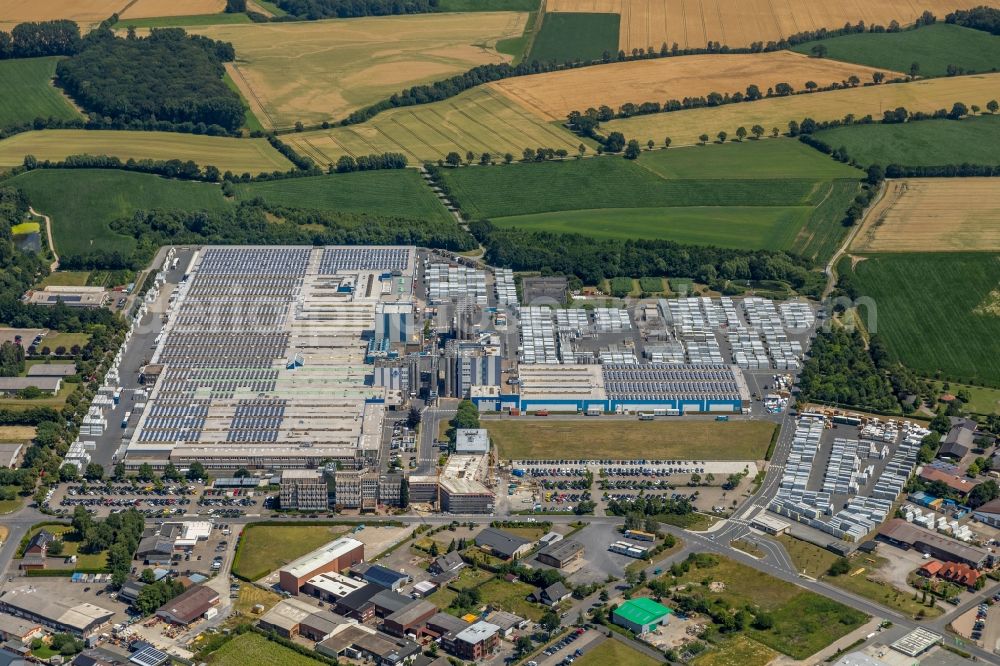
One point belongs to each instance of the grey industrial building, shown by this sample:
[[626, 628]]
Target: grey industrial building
[[54, 613], [561, 553], [304, 490]]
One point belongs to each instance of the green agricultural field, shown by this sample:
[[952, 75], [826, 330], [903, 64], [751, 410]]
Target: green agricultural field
[[804, 622], [83, 202], [488, 5], [183, 21], [756, 227], [772, 194], [933, 48], [251, 648], [395, 193], [28, 92], [571, 36], [925, 143], [251, 122], [937, 313], [752, 160], [531, 438], [607, 182], [265, 548]]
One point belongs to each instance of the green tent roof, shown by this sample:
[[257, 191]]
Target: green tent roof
[[642, 611]]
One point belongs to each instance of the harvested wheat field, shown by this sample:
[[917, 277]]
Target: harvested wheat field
[[226, 153], [934, 215], [684, 127], [693, 23], [553, 95], [85, 12], [312, 71], [151, 8], [479, 120]]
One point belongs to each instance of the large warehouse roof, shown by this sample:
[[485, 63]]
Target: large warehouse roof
[[79, 617], [316, 559]]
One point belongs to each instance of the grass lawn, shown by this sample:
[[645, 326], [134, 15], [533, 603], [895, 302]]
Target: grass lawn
[[65, 279], [67, 340], [83, 202], [533, 533], [264, 548], [804, 622], [28, 92], [612, 651], [696, 522], [571, 36], [933, 47], [390, 193], [56, 401], [639, 565], [737, 651], [182, 21], [531, 438], [469, 578], [251, 648], [983, 400], [815, 561], [9, 506], [953, 300], [71, 546], [924, 143], [511, 597]]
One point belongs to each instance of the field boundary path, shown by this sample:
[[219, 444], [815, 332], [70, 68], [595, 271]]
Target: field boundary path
[[831, 266], [48, 232]]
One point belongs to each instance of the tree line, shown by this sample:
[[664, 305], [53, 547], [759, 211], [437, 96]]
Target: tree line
[[982, 18], [320, 9], [168, 75], [840, 370], [446, 88], [43, 38], [94, 121], [578, 255], [587, 122]]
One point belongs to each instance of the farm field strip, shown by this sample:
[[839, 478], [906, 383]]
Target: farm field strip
[[155, 8], [226, 153], [743, 227], [480, 120], [312, 71], [84, 12], [684, 127], [934, 215], [925, 143], [737, 23], [554, 94]]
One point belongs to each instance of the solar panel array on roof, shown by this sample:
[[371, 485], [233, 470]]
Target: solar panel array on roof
[[376, 259], [254, 261], [667, 382], [149, 656]]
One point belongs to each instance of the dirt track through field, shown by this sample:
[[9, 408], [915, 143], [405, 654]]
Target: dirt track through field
[[693, 23], [555, 94], [934, 215]]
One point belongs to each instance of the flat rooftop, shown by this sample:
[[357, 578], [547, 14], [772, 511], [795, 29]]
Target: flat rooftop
[[312, 561], [263, 358]]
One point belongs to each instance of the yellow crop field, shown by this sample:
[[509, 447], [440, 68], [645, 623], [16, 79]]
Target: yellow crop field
[[735, 23], [553, 95], [151, 8], [934, 215], [684, 127], [84, 12], [228, 154], [480, 120], [311, 71]]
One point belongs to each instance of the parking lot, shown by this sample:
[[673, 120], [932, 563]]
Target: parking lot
[[102, 500]]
